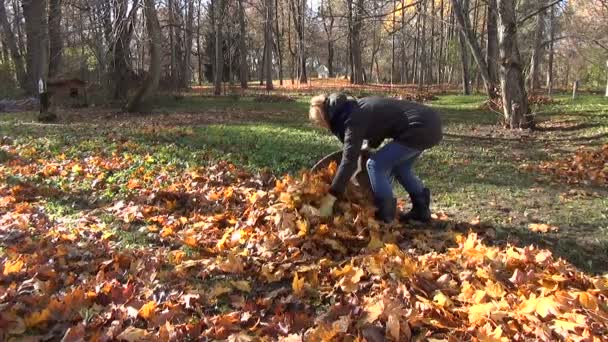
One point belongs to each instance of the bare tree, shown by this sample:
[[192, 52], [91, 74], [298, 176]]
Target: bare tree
[[469, 35], [242, 46], [150, 85], [36, 28], [492, 43], [268, 44], [13, 47], [514, 96], [55, 38], [537, 49], [328, 20]]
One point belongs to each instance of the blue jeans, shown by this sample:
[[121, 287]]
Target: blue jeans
[[394, 159]]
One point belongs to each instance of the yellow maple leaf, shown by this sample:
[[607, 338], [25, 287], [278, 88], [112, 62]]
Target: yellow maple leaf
[[147, 310], [487, 334], [442, 300], [479, 313], [494, 290], [543, 306], [14, 266], [373, 308], [298, 285], [242, 285]]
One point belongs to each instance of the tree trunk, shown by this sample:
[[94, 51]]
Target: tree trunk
[[466, 82], [36, 30], [55, 38], [537, 50], [514, 97], [268, 43], [423, 61], [14, 48], [469, 36], [355, 26], [492, 43], [120, 34], [218, 70], [551, 51], [150, 85], [243, 78], [278, 45], [187, 65]]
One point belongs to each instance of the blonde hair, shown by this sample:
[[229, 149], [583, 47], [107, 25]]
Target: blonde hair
[[318, 113]]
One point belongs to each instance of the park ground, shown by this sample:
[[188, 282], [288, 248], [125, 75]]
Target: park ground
[[476, 174], [481, 175]]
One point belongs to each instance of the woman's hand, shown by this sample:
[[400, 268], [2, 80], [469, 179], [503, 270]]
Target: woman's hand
[[327, 205]]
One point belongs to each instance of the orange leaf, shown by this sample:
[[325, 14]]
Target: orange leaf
[[37, 317], [147, 310], [298, 285], [13, 266]]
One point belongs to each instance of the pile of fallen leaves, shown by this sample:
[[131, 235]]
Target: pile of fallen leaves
[[417, 96], [586, 166], [232, 255], [271, 98], [496, 104]]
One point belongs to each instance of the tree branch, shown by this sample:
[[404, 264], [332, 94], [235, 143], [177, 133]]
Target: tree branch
[[531, 15]]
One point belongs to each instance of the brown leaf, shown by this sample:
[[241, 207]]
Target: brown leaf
[[393, 327], [132, 334]]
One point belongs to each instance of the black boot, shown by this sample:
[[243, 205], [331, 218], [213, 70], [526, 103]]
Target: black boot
[[387, 209], [421, 210]]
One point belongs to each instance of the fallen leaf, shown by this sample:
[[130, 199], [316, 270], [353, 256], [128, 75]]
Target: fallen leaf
[[542, 228], [298, 285], [14, 266], [242, 285], [132, 334], [147, 310]]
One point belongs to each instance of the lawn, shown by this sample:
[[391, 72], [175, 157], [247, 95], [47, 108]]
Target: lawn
[[100, 181], [475, 173]]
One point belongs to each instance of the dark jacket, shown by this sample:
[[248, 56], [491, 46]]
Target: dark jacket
[[375, 119]]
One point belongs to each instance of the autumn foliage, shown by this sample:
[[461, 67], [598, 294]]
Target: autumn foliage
[[586, 166], [243, 257]]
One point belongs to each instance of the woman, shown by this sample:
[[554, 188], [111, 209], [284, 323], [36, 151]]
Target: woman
[[412, 127]]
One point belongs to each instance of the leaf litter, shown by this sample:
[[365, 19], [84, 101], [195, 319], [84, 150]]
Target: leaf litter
[[230, 255]]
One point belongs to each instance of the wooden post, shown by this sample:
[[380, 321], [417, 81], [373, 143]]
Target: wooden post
[[574, 89]]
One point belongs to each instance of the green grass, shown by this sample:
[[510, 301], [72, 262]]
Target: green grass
[[473, 173]]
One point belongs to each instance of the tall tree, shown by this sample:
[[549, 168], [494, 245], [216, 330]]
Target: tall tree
[[355, 25], [492, 43], [328, 20], [11, 41], [150, 84], [268, 44], [119, 31], [36, 28], [187, 64], [514, 96], [464, 59], [537, 49], [469, 36], [298, 9], [55, 38], [551, 51], [218, 65], [243, 77]]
